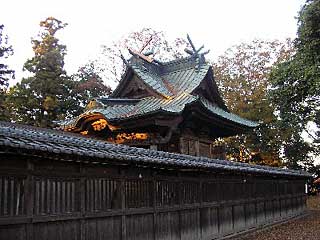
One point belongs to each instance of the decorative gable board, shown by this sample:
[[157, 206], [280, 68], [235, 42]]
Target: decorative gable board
[[133, 87], [209, 90]]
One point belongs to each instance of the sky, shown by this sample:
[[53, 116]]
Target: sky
[[216, 24]]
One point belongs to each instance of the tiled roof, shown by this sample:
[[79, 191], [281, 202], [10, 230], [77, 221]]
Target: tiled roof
[[173, 78], [26, 138], [150, 105], [153, 80], [187, 79], [174, 82], [227, 115]]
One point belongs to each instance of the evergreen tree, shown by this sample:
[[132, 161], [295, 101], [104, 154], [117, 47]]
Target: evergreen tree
[[88, 85], [46, 96], [296, 88], [6, 73]]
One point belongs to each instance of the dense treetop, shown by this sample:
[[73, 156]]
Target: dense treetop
[[296, 87]]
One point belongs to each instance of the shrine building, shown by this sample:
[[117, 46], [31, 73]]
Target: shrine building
[[170, 106]]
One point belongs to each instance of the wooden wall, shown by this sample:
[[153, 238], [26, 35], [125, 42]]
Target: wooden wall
[[46, 199], [195, 146]]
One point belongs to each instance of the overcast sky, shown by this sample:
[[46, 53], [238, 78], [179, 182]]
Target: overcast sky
[[217, 24]]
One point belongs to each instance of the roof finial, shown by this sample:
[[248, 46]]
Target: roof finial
[[196, 53], [145, 56]]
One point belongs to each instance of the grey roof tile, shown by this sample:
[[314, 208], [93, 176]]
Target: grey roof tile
[[44, 140], [150, 105], [175, 82], [153, 80]]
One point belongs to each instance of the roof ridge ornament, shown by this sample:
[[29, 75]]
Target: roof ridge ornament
[[145, 56], [195, 53]]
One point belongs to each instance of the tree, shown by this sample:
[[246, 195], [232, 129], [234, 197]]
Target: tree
[[88, 85], [46, 95], [6, 73], [146, 40], [242, 76], [296, 88]]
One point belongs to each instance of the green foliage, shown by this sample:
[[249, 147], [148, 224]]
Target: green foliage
[[46, 96], [88, 85], [6, 73], [296, 88], [6, 50], [242, 76]]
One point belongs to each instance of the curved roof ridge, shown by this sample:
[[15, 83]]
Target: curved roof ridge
[[178, 60]]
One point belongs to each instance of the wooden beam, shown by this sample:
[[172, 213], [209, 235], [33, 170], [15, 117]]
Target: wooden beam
[[140, 55]]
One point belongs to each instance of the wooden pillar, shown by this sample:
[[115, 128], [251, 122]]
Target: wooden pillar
[[82, 202], [180, 205], [29, 198], [201, 206], [123, 206], [154, 203]]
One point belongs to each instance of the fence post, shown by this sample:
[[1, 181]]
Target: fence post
[[29, 198], [123, 206], [201, 206], [154, 202], [82, 192]]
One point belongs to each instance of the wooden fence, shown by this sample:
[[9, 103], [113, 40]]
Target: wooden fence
[[48, 199]]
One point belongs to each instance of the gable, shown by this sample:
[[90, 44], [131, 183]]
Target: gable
[[208, 89], [131, 86]]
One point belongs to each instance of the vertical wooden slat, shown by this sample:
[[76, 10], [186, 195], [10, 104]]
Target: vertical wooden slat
[[110, 192], [134, 195], [2, 195], [154, 204], [200, 195], [73, 196], [123, 206], [11, 203], [139, 191], [67, 194], [30, 199], [83, 200], [49, 196], [21, 196], [54, 196], [129, 193], [63, 196], [58, 196], [86, 193], [36, 196], [100, 194], [133, 192], [17, 197], [91, 190], [42, 194], [6, 193], [96, 194], [103, 197]]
